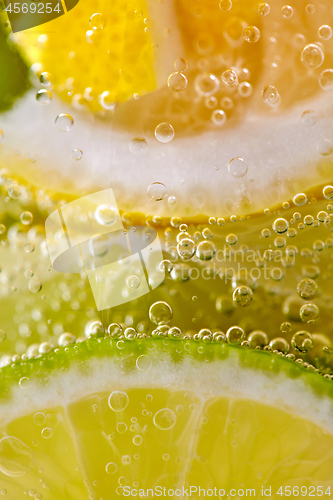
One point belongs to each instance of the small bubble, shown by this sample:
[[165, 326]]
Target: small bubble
[[285, 327], [302, 342], [3, 335], [107, 100], [47, 433], [325, 147], [231, 239], [64, 122], [24, 382], [205, 250], [43, 96], [258, 338], [251, 34], [312, 56], [329, 222], [237, 167], [2, 229], [76, 154], [133, 282], [186, 248], [143, 363], [118, 401], [244, 89], [180, 64], [225, 5], [166, 266], [137, 440], [14, 191], [157, 191], [265, 233], [219, 117], [326, 79], [105, 215], [235, 335], [287, 11], [300, 199], [164, 132], [242, 295], [35, 285], [279, 344], [309, 313], [230, 78], [325, 31], [310, 9], [29, 247], [177, 82], [164, 419], [111, 468], [307, 288], [309, 118], [26, 218], [206, 84], [280, 225], [264, 9], [328, 192], [269, 94], [97, 22], [160, 313]]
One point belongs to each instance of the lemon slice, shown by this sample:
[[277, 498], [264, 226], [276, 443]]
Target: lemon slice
[[108, 53], [103, 417]]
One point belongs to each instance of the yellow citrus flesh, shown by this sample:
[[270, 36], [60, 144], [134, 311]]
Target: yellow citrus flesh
[[97, 54]]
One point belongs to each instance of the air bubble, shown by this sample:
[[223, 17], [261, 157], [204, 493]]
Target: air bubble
[[309, 313], [97, 22], [225, 5], [280, 225], [242, 296], [160, 313], [269, 94], [279, 344], [302, 342], [177, 81], [328, 192], [35, 285], [143, 363], [237, 167], [76, 154], [164, 132], [309, 118], [251, 34], [300, 199], [206, 84], [106, 215], [64, 122], [326, 79], [264, 9], [230, 78], [325, 147], [111, 468], [307, 289], [138, 146], [235, 335], [165, 419], [16, 458], [133, 282], [118, 401], [312, 56], [43, 96], [47, 433], [219, 117], [157, 191], [180, 64], [287, 11], [205, 250], [325, 31]]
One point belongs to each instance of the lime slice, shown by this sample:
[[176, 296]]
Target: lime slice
[[96, 417], [100, 417]]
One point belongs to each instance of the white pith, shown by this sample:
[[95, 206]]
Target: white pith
[[206, 380]]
